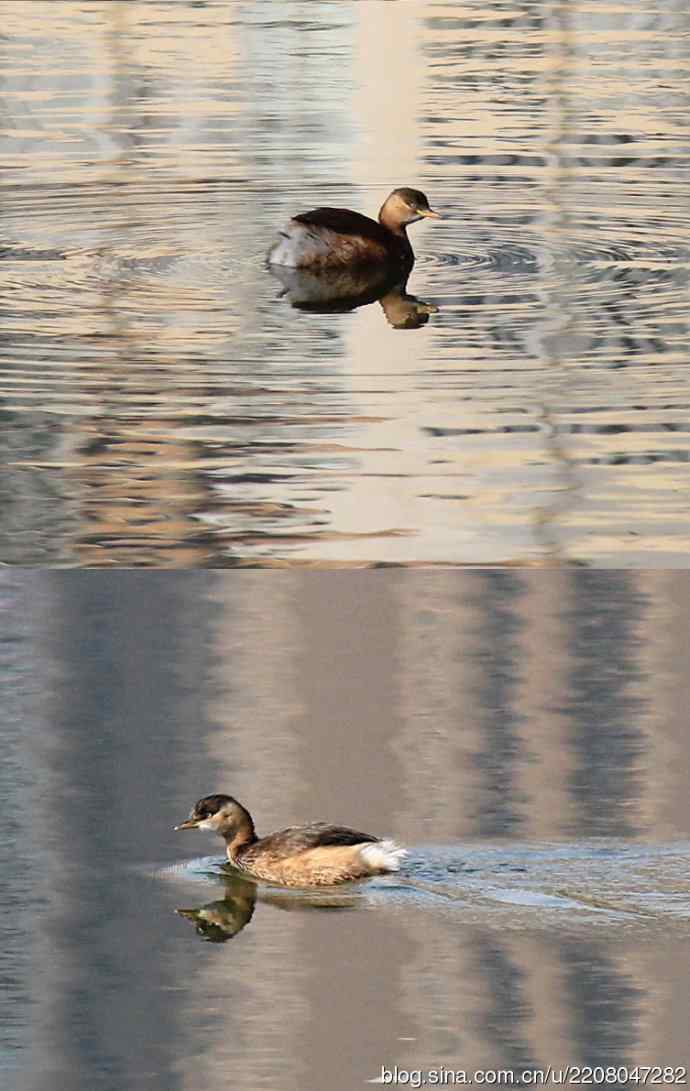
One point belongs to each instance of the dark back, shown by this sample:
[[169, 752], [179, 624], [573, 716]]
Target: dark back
[[345, 222], [317, 835]]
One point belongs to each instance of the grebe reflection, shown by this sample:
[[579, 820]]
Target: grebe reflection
[[339, 291], [221, 920]]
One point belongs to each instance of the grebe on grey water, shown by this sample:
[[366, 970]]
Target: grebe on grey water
[[313, 855]]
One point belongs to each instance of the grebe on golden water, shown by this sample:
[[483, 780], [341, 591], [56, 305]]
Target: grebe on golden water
[[313, 855], [329, 238]]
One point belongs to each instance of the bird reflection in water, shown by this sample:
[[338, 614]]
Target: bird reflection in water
[[221, 920], [340, 290]]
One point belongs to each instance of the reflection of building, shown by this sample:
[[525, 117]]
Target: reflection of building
[[304, 685], [568, 692], [438, 707], [254, 750], [155, 424], [120, 662], [535, 689], [477, 701], [137, 493], [20, 719], [160, 144]]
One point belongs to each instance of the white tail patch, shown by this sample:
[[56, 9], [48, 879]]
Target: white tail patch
[[300, 245], [283, 252], [382, 855]]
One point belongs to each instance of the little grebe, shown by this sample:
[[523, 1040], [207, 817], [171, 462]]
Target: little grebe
[[328, 238], [313, 855]]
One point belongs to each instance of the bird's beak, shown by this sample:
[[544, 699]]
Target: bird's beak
[[430, 213], [188, 824]]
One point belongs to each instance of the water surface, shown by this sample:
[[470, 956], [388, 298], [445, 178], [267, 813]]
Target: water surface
[[164, 403], [525, 735]]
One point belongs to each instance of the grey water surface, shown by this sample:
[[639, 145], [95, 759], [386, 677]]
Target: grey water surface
[[167, 402], [525, 735]]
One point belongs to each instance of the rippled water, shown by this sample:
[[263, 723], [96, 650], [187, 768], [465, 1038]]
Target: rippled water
[[165, 404], [524, 734], [516, 887]]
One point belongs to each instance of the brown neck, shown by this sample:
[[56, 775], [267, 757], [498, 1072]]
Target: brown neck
[[240, 839], [392, 223]]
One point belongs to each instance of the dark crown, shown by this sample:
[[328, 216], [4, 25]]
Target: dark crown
[[210, 805]]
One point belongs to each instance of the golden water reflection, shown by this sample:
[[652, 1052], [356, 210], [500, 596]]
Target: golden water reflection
[[164, 406]]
